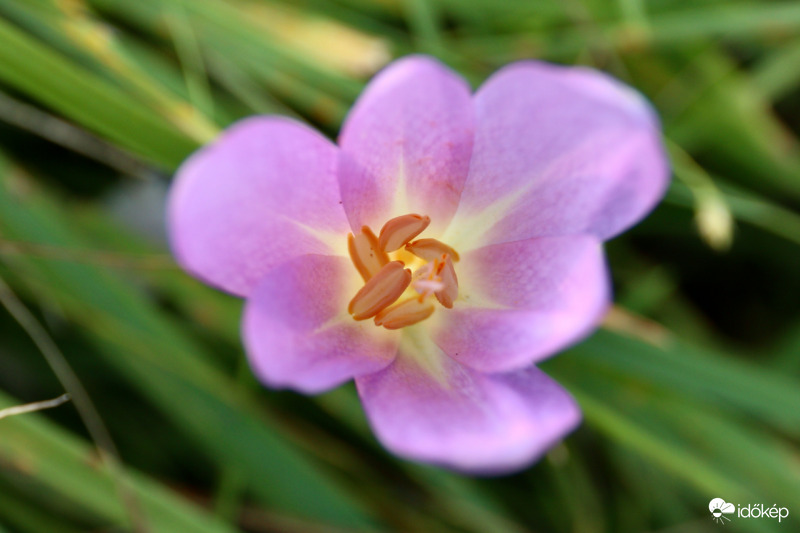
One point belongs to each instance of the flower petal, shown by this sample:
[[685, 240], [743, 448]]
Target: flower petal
[[264, 192], [298, 333], [406, 145], [523, 301], [558, 151], [463, 419]]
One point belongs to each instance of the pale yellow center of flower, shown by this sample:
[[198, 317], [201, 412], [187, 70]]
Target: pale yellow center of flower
[[403, 278]]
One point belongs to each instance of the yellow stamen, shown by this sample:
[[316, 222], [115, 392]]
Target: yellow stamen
[[449, 293], [430, 249], [382, 290], [405, 313], [400, 230], [365, 253], [386, 264]]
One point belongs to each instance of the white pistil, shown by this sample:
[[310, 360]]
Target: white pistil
[[427, 287]]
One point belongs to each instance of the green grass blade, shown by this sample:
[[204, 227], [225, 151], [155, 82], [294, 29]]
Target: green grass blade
[[731, 384], [170, 368], [62, 463], [41, 73]]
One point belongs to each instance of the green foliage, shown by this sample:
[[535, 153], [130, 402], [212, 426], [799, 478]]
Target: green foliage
[[690, 391]]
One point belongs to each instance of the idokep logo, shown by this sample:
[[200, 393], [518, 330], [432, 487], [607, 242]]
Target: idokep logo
[[719, 508]]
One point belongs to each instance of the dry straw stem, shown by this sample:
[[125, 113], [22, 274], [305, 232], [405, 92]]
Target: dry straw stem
[[35, 406], [86, 409]]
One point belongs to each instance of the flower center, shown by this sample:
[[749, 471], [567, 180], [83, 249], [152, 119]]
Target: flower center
[[402, 278]]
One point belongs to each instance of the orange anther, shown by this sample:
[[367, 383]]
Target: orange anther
[[365, 253], [449, 293], [430, 249], [405, 313], [382, 290], [400, 230]]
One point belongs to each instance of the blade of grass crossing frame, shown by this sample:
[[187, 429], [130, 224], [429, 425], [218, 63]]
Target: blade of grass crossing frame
[[732, 384], [168, 367], [56, 459], [43, 74]]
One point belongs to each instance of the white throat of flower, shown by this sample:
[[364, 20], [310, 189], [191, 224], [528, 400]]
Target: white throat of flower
[[402, 279]]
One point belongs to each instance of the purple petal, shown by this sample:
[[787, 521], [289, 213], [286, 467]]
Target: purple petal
[[298, 333], [265, 191], [463, 419], [523, 301], [559, 151], [406, 145]]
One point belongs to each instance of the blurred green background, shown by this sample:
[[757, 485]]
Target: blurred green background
[[691, 390]]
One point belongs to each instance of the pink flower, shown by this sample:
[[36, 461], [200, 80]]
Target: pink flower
[[487, 214]]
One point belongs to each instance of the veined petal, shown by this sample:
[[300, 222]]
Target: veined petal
[[265, 191], [406, 145], [523, 301], [558, 151], [462, 419], [297, 330]]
